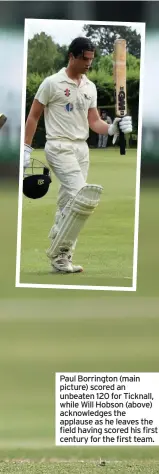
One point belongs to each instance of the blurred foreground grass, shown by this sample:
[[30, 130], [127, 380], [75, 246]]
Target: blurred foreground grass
[[34, 347], [53, 330], [43, 467]]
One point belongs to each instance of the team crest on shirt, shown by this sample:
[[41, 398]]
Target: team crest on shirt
[[88, 97], [69, 107], [67, 92]]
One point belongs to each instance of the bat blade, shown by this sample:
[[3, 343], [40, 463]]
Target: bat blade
[[120, 85]]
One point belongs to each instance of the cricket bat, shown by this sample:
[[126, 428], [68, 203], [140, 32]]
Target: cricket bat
[[120, 85]]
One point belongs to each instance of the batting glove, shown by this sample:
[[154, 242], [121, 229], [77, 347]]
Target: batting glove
[[27, 152], [124, 124]]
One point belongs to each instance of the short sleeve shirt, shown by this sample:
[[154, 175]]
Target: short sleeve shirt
[[66, 106]]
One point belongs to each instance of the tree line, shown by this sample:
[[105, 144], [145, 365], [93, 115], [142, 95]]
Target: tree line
[[45, 57]]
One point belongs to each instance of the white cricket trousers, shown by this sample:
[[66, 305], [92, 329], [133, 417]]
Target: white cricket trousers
[[70, 162]]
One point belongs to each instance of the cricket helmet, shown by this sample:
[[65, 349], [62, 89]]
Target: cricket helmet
[[36, 184]]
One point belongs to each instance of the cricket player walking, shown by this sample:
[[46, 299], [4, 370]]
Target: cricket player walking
[[69, 102]]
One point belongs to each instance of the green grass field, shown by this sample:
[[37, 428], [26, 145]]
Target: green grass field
[[43, 331], [105, 246], [44, 467], [39, 339]]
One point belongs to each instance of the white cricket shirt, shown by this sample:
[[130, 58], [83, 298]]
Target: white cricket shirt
[[66, 106]]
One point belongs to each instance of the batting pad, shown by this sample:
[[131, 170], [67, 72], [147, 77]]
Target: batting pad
[[81, 208]]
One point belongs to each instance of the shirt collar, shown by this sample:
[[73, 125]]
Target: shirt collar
[[64, 77]]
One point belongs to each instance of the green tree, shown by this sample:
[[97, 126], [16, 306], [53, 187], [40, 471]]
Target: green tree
[[61, 58], [132, 67], [42, 52], [104, 37], [102, 73]]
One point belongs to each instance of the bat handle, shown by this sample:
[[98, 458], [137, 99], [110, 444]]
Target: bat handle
[[122, 142]]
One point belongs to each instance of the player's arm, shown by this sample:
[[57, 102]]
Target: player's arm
[[96, 123], [40, 101], [30, 128], [32, 121]]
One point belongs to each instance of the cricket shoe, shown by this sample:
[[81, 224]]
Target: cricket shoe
[[3, 119], [63, 264]]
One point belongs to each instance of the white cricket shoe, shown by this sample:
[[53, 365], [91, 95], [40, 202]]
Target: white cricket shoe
[[63, 264]]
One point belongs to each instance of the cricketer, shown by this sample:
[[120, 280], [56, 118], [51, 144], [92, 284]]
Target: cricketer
[[69, 102]]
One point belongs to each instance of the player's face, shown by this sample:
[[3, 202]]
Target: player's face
[[83, 62]]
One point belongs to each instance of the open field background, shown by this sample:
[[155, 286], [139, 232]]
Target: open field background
[[42, 467], [105, 246], [45, 337], [43, 331]]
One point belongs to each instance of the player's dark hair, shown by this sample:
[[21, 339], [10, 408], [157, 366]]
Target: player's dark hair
[[79, 45]]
